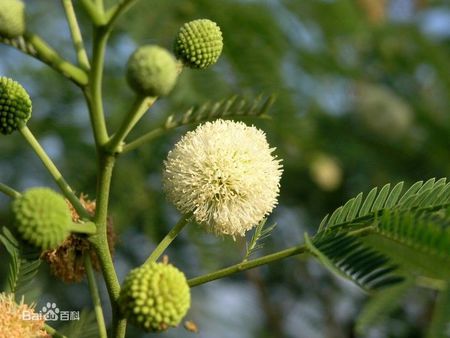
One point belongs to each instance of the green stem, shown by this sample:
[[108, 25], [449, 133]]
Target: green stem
[[95, 91], [55, 334], [7, 190], [296, 250], [95, 295], [98, 18], [76, 34], [100, 6], [100, 242], [144, 139], [116, 11], [88, 228], [138, 109], [167, 240], [49, 56], [54, 172]]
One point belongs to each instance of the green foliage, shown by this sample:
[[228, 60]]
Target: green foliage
[[348, 257], [24, 263], [387, 241], [233, 107], [431, 195], [388, 231], [259, 235]]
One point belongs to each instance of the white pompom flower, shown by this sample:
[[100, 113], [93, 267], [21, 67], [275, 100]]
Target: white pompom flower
[[225, 175]]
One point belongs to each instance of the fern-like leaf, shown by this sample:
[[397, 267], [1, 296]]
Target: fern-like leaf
[[418, 241], [24, 263], [431, 195], [233, 107], [348, 257], [256, 242]]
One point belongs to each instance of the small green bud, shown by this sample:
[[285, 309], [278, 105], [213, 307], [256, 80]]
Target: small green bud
[[15, 105], [199, 43], [155, 296], [152, 71], [42, 217], [12, 18]]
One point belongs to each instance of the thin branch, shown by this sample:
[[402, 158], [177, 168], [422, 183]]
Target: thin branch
[[118, 10], [54, 172], [95, 295], [136, 112], [76, 34], [7, 190], [167, 240], [34, 46], [296, 250]]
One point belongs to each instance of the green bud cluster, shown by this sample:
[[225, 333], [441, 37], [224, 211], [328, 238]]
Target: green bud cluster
[[152, 71], [42, 217], [15, 105], [199, 43], [155, 296], [12, 18]]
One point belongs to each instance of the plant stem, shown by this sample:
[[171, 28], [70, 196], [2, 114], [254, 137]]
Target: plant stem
[[296, 250], [7, 190], [49, 56], [55, 334], [100, 6], [54, 172], [95, 297], [98, 18], [167, 240], [95, 82], [138, 109], [76, 34], [100, 242], [116, 11], [144, 139], [87, 228]]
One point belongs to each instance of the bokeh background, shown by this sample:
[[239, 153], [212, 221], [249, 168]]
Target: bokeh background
[[363, 99]]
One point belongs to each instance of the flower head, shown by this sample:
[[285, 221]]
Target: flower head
[[199, 43], [152, 71], [223, 173], [42, 217], [155, 296], [15, 105], [67, 260], [19, 320], [12, 18]]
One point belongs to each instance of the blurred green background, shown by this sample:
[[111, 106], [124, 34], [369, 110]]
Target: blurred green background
[[363, 99]]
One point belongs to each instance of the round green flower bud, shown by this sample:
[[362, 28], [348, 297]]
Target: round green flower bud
[[155, 296], [199, 43], [152, 71], [15, 105], [42, 217], [12, 18]]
